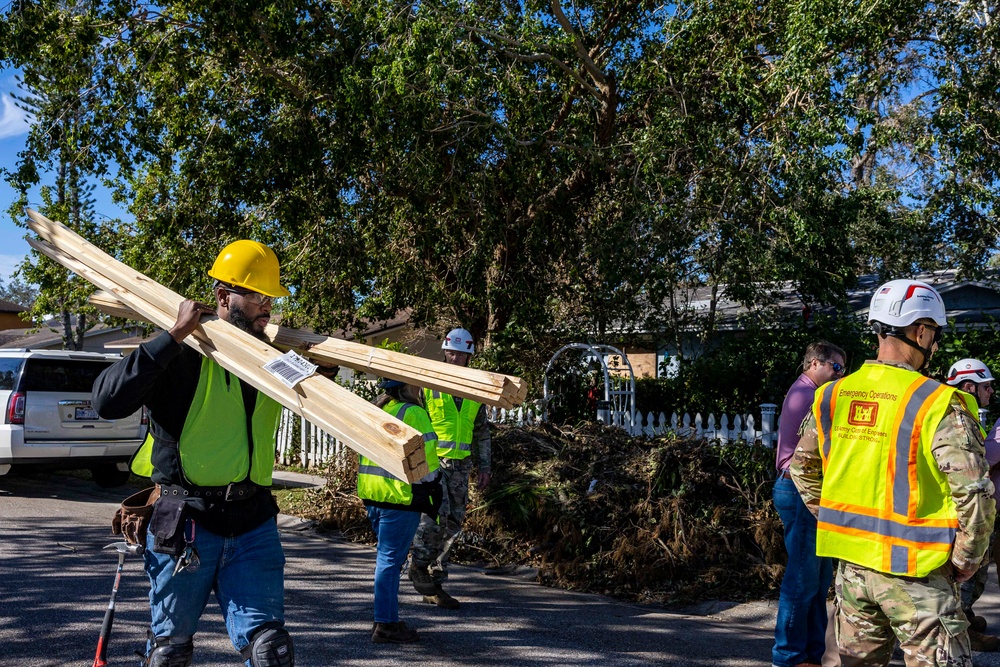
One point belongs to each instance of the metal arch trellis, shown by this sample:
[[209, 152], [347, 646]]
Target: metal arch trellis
[[619, 395]]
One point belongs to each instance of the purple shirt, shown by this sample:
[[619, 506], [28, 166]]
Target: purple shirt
[[993, 457], [794, 409]]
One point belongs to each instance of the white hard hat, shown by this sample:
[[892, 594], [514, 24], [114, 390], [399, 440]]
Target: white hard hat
[[459, 340], [900, 303], [968, 369]]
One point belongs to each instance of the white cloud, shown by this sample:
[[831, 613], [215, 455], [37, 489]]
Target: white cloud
[[14, 121]]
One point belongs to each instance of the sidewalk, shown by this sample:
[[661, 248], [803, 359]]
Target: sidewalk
[[505, 620], [297, 480]]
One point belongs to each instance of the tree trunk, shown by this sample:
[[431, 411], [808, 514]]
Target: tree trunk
[[67, 331], [81, 329]]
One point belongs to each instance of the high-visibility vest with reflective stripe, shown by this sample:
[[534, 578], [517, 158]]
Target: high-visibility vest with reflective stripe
[[376, 483], [214, 449], [454, 427], [885, 504]]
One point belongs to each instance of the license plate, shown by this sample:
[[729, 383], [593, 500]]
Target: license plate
[[86, 414]]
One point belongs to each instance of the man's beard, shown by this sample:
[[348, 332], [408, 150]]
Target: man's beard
[[239, 319]]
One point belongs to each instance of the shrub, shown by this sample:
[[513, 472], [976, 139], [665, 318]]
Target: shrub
[[665, 519]]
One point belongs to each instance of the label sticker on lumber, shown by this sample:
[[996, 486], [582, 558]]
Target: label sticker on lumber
[[290, 368]]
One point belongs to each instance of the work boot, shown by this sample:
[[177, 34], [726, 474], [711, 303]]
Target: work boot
[[422, 580], [394, 633], [442, 599], [977, 623], [984, 643]]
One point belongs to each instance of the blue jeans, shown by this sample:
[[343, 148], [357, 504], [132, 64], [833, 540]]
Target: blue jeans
[[800, 629], [246, 572], [395, 530]]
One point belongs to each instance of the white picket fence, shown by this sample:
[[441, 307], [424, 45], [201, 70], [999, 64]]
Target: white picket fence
[[724, 429], [316, 447]]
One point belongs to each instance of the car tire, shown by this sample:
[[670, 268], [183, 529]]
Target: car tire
[[109, 476]]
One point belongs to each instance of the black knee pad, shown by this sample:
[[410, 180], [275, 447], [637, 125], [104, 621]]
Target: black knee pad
[[271, 646], [171, 652]]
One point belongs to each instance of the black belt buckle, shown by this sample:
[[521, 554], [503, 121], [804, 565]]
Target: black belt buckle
[[229, 490]]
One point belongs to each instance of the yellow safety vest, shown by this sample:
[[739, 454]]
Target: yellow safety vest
[[214, 449], [885, 505], [376, 483], [454, 427]]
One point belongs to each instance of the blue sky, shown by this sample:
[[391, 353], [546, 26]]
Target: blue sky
[[13, 131]]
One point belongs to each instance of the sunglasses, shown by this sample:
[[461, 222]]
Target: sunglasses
[[837, 368], [253, 297]]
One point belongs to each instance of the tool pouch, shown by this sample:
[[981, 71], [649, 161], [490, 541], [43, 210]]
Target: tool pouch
[[167, 525], [132, 519]]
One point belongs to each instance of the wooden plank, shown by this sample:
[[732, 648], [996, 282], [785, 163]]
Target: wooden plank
[[317, 399], [495, 389], [366, 429]]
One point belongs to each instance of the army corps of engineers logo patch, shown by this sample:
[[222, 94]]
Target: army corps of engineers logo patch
[[862, 413]]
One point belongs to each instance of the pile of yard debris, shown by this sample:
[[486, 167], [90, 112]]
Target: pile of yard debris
[[654, 519]]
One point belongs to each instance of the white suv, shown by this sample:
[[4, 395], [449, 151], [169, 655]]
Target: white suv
[[49, 420]]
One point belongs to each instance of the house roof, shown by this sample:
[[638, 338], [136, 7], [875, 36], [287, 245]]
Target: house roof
[[46, 336], [24, 338], [11, 307], [125, 344], [968, 302], [10, 335], [375, 327]]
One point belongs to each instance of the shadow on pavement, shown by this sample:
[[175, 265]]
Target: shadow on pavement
[[55, 583]]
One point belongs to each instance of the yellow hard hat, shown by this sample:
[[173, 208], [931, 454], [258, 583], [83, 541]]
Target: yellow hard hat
[[251, 265]]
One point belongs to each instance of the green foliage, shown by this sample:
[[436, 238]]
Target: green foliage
[[979, 343], [524, 167], [751, 367]]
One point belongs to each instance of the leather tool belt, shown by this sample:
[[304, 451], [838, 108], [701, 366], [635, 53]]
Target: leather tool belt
[[227, 493], [132, 519]]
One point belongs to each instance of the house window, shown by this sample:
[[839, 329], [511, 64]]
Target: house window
[[667, 365]]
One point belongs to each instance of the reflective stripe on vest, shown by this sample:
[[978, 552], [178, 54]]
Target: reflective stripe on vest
[[885, 504], [454, 427], [824, 417], [377, 483], [372, 469], [446, 445], [214, 449]]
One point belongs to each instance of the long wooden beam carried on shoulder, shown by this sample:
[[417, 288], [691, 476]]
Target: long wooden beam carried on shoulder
[[503, 391], [393, 445]]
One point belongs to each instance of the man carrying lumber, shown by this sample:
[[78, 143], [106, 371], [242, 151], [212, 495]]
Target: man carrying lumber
[[213, 525], [458, 423]]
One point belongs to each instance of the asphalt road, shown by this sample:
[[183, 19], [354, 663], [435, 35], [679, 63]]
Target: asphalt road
[[55, 583]]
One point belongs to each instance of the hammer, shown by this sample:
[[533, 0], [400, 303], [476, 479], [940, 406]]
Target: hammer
[[123, 549]]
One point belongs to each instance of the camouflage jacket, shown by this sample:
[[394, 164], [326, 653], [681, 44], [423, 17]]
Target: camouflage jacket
[[960, 455]]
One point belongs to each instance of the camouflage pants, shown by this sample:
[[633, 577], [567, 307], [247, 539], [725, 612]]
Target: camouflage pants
[[434, 538], [924, 613], [973, 589]]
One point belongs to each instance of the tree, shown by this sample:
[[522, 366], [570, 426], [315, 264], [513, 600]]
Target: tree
[[19, 292], [537, 170], [54, 86]]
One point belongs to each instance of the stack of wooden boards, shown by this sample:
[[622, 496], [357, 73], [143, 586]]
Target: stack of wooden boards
[[396, 447], [502, 391]]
